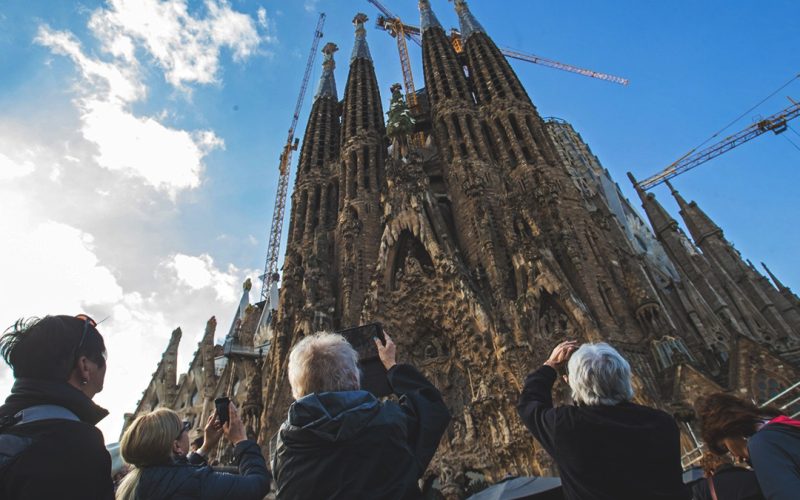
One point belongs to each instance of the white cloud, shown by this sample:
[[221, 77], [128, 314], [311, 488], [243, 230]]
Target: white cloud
[[311, 5], [55, 264], [53, 268], [11, 169], [199, 273], [81, 237], [117, 83], [165, 158], [262, 17], [187, 47]]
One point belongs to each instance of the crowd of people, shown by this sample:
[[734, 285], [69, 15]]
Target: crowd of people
[[339, 441]]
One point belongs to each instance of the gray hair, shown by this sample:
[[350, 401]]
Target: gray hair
[[599, 375], [323, 362]]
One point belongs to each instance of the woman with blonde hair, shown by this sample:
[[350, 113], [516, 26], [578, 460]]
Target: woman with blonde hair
[[154, 445]]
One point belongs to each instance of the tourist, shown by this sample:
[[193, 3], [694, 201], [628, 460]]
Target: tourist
[[151, 445], [764, 437], [340, 442], [606, 447], [725, 481], [49, 445]]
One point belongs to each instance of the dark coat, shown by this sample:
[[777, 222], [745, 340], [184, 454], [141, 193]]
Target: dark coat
[[620, 452], [349, 445], [183, 481], [730, 483], [775, 455], [65, 459]]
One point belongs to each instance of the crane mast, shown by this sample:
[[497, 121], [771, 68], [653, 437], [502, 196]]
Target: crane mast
[[777, 124], [273, 248]]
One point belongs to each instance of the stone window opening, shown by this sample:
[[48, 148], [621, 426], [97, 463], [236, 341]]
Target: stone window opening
[[315, 214], [487, 136], [366, 167], [352, 175]]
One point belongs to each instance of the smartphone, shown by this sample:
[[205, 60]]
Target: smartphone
[[373, 374], [222, 408], [360, 337]]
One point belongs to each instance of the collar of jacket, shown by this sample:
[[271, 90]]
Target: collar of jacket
[[330, 416], [28, 392]]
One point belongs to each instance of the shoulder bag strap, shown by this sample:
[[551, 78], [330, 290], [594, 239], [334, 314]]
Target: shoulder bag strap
[[711, 488]]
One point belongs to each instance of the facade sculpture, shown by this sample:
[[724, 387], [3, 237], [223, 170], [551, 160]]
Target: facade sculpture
[[482, 245]]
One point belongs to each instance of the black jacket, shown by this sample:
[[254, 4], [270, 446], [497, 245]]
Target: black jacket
[[775, 455], [349, 445], [730, 483], [183, 481], [616, 452], [66, 459]]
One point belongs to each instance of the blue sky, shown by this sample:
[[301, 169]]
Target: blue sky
[[139, 139]]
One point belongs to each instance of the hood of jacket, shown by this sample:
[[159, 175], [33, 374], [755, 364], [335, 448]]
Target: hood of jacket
[[328, 417], [27, 392]]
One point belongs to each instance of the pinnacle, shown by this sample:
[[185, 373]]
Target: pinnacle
[[327, 82], [469, 25], [360, 47], [427, 17]]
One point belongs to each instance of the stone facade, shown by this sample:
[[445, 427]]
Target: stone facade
[[479, 250]]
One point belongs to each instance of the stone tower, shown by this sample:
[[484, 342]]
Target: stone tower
[[488, 242], [361, 170]]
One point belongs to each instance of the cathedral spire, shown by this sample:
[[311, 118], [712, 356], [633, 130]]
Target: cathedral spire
[[360, 48], [327, 82], [775, 279], [700, 225], [427, 19], [467, 21], [660, 219]]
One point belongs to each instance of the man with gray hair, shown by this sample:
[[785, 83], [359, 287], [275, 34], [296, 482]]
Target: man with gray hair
[[341, 442], [606, 447]]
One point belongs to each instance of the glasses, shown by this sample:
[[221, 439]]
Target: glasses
[[185, 426], [87, 322]]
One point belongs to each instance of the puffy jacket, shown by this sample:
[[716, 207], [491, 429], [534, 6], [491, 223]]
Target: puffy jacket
[[350, 445], [183, 481], [61, 458]]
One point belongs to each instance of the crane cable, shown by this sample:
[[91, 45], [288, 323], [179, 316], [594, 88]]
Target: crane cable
[[740, 117]]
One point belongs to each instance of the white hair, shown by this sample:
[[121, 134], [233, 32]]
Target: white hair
[[323, 362], [599, 375]]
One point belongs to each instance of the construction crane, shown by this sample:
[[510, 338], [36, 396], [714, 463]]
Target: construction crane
[[397, 29], [777, 124], [273, 248], [400, 31]]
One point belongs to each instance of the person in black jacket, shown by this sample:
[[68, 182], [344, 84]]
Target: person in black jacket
[[605, 446], [729, 482], [764, 437], [156, 443], [342, 443], [49, 445]]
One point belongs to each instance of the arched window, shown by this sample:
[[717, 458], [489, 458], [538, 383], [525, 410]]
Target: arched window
[[195, 399]]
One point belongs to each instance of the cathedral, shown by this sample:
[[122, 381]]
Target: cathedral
[[480, 239]]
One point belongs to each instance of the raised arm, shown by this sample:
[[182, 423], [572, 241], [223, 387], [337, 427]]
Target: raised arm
[[535, 405], [422, 403]]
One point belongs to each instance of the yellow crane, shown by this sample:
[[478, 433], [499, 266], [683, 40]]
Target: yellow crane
[[777, 124]]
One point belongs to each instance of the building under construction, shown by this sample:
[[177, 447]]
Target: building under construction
[[497, 235]]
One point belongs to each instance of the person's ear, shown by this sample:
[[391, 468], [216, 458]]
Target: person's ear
[[176, 448]]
